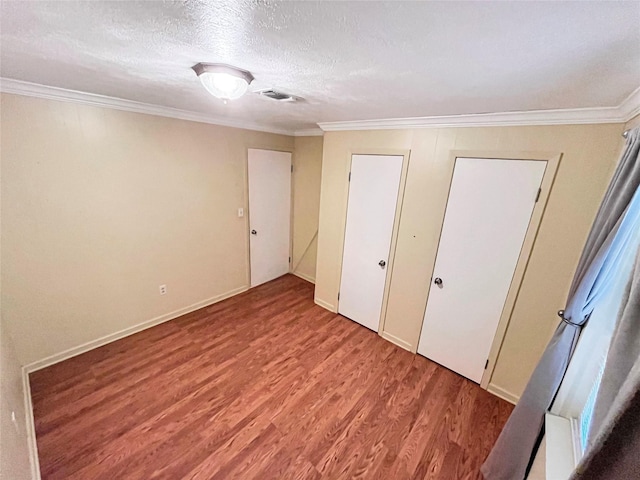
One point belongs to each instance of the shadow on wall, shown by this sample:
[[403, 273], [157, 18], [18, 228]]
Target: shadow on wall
[[307, 173], [14, 437]]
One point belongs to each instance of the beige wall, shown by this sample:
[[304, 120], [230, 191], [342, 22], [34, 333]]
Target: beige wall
[[14, 437], [100, 207], [306, 204], [589, 154]]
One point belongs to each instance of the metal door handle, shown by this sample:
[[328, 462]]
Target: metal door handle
[[382, 263], [438, 282], [253, 232]]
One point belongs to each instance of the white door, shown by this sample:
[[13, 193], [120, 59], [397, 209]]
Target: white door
[[269, 214], [488, 213], [373, 196]]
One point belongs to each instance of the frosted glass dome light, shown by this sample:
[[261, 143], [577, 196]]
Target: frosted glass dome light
[[223, 81]]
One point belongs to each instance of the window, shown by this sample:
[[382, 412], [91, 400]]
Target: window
[[577, 394], [587, 412], [572, 412]]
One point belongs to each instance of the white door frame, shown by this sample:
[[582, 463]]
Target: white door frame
[[553, 162], [405, 154], [247, 213]]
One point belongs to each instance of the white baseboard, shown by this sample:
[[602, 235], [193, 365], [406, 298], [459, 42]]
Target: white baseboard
[[327, 305], [503, 394], [112, 337], [397, 341], [30, 426], [305, 277]]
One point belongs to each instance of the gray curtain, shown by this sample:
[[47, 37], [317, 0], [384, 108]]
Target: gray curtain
[[614, 444], [600, 259]]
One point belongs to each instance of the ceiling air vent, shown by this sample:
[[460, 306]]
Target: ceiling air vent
[[278, 96]]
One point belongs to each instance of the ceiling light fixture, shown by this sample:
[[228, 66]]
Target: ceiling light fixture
[[223, 81]]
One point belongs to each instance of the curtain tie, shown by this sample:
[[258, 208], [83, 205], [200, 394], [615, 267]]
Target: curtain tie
[[568, 320]]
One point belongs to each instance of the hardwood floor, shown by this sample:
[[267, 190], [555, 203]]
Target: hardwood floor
[[265, 385]]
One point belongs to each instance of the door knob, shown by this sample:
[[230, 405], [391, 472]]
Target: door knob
[[382, 263], [253, 232], [438, 282]]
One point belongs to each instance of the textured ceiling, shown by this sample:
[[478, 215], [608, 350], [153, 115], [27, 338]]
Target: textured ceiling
[[348, 60]]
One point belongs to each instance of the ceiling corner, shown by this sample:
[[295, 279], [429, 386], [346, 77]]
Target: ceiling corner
[[630, 106], [309, 132]]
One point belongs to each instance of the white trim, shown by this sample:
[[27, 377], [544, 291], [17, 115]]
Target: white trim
[[536, 117], [396, 341], [559, 452], [30, 426], [305, 277], [327, 305], [309, 132], [628, 108], [503, 394], [575, 440], [18, 87], [85, 347]]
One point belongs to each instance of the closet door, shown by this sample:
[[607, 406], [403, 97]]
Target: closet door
[[373, 195], [269, 214], [488, 213]]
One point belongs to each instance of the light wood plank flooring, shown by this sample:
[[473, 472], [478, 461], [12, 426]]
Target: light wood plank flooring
[[265, 385]]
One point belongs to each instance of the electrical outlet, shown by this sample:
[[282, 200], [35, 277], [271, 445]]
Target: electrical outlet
[[241, 212], [163, 289]]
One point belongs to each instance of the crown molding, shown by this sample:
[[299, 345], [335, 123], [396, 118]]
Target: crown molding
[[629, 108], [309, 132], [18, 87], [535, 117]]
